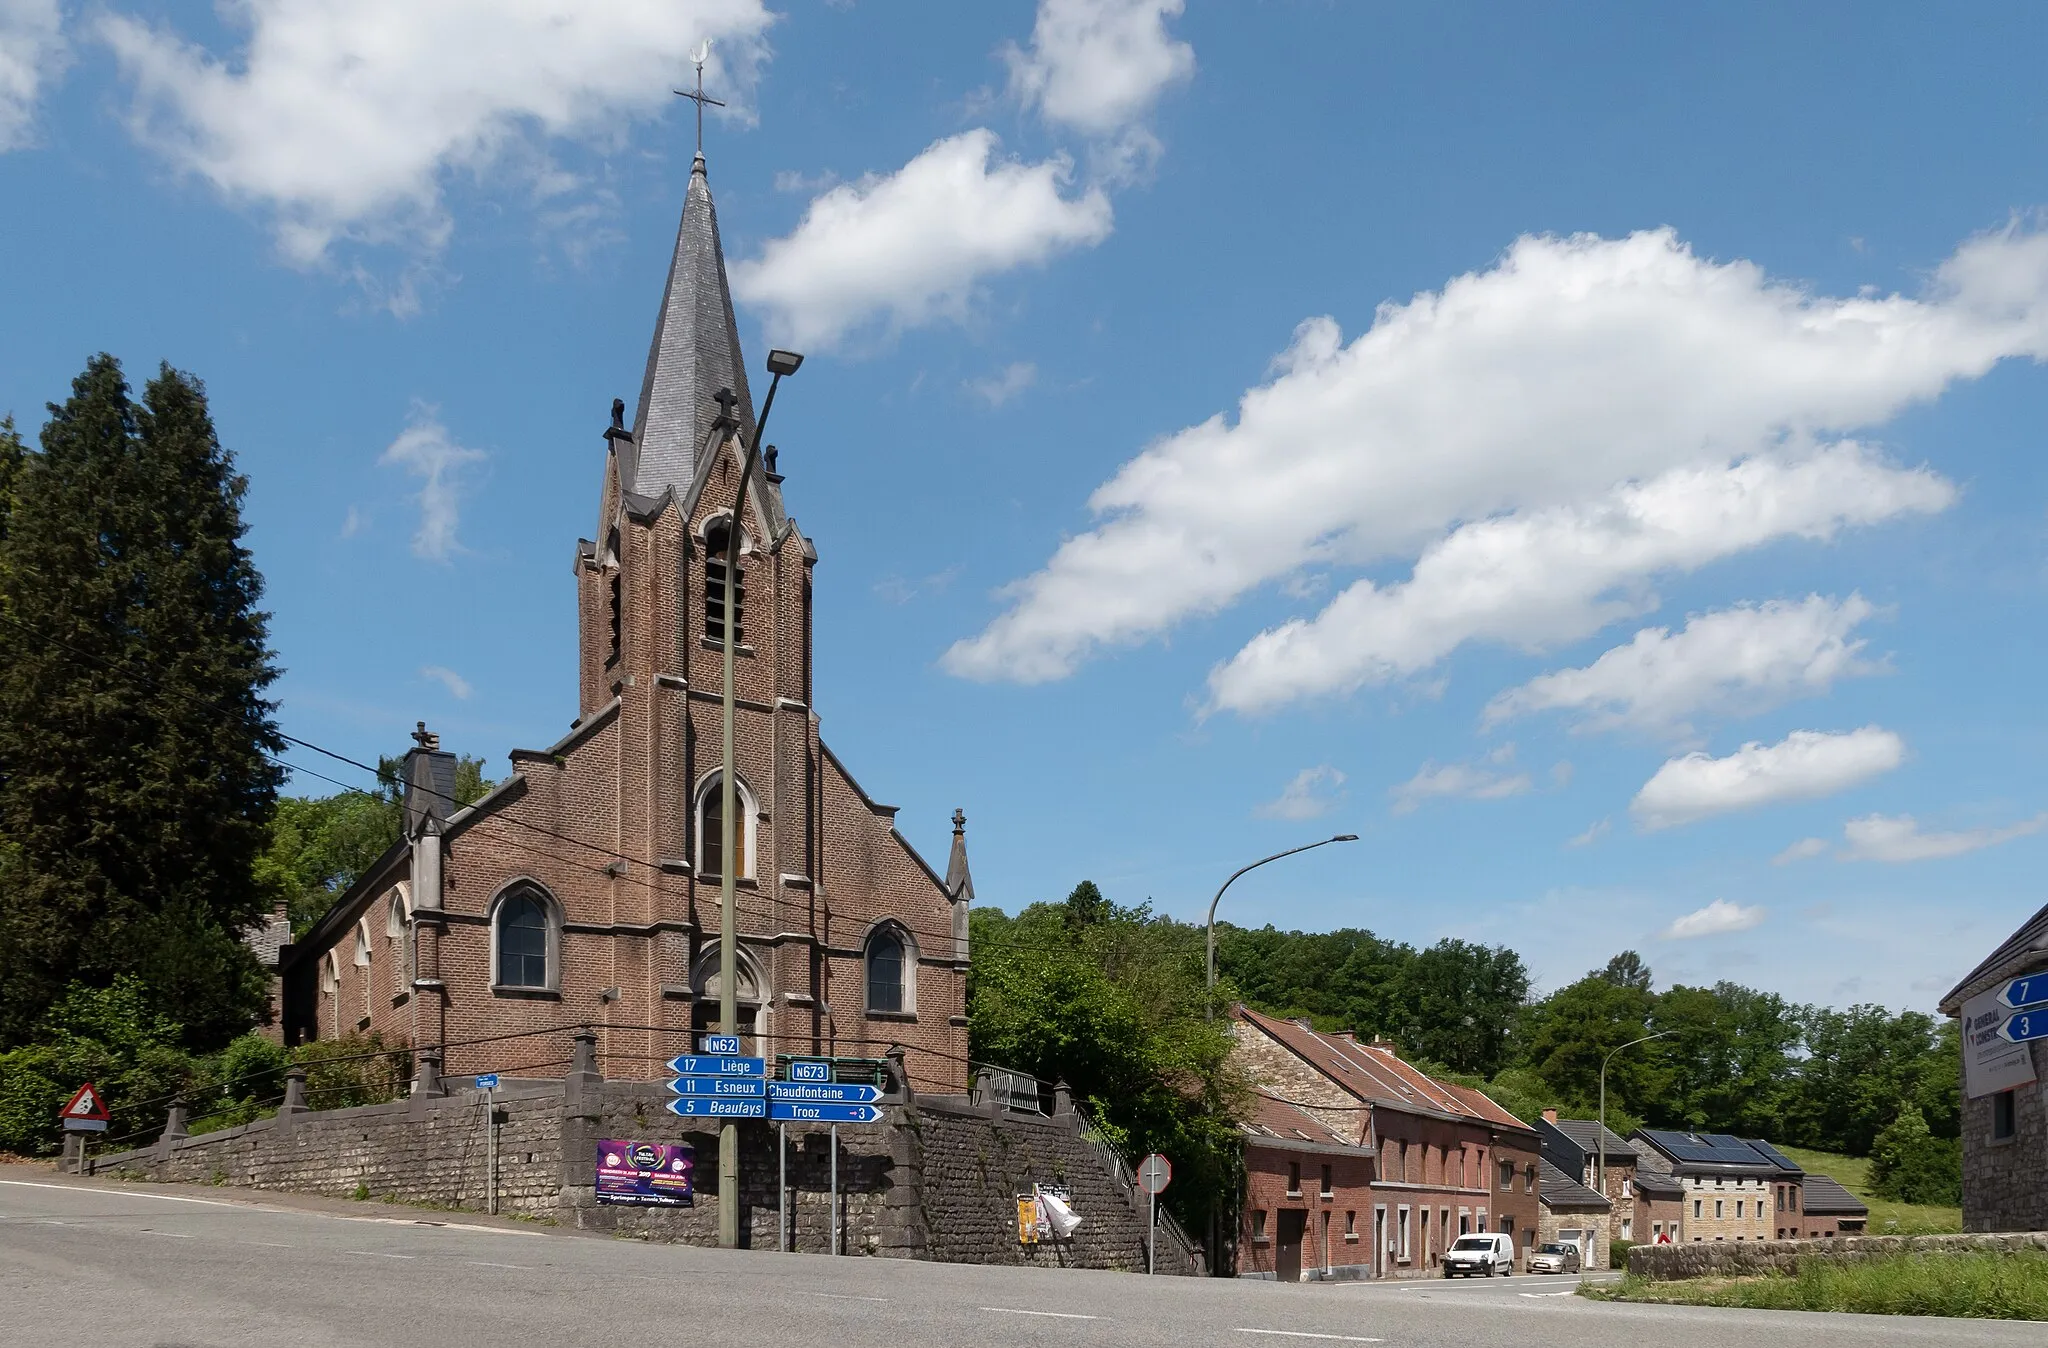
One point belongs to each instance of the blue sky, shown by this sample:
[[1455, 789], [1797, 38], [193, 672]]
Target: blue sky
[[1592, 457]]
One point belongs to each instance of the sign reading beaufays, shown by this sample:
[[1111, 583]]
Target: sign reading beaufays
[[1992, 1062]]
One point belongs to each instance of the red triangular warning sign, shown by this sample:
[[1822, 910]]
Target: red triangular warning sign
[[86, 1104]]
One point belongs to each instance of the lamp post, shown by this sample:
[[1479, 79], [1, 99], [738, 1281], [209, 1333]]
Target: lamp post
[[1210, 1009], [780, 363], [1600, 1135]]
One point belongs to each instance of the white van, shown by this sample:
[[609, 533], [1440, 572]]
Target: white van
[[1485, 1253]]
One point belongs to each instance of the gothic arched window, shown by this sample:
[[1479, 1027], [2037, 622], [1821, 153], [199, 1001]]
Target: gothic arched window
[[710, 835], [891, 966], [525, 940], [717, 538]]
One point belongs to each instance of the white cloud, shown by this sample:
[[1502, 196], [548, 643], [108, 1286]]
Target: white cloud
[[1738, 660], [1098, 67], [1592, 835], [344, 118], [1314, 792], [32, 54], [1494, 779], [1537, 578], [997, 389], [1896, 838], [354, 522], [1804, 765], [1800, 851], [426, 450], [1718, 918], [457, 686], [911, 247], [1576, 376]]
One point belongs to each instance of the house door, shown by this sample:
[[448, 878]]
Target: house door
[[1287, 1257], [1379, 1242]]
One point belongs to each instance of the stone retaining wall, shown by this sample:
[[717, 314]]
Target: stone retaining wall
[[936, 1179], [1727, 1259]]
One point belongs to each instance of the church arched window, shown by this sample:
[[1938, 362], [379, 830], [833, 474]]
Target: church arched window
[[398, 934], [363, 962], [718, 594], [710, 837], [891, 968], [525, 939]]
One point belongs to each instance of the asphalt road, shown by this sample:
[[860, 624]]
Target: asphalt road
[[89, 1264]]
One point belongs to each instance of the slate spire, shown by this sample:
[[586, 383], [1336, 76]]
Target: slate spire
[[695, 353], [959, 884]]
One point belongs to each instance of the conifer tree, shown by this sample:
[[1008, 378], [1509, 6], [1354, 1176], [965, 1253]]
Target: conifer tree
[[134, 787]]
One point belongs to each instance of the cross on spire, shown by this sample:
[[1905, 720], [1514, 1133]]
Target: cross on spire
[[727, 400], [699, 97]]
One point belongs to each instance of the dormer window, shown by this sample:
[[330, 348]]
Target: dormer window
[[717, 591]]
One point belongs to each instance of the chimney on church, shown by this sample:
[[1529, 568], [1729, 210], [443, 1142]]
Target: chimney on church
[[429, 782]]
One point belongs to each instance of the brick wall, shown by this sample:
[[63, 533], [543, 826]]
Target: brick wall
[[1270, 1190], [1726, 1259]]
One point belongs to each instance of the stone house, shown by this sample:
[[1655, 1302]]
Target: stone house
[[1573, 1146], [1731, 1189], [584, 889], [1439, 1160], [1659, 1208], [1573, 1214], [2005, 1103]]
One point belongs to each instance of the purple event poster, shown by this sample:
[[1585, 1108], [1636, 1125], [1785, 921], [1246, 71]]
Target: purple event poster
[[656, 1174]]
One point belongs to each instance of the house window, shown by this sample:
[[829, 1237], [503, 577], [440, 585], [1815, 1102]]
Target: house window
[[1258, 1224], [1718, 1209], [1294, 1179], [1507, 1174], [711, 833], [717, 538], [2004, 1124], [1628, 1188], [888, 962], [1351, 1226], [1695, 1207], [1529, 1178], [524, 933], [1327, 1191], [363, 962], [1628, 1229], [399, 931]]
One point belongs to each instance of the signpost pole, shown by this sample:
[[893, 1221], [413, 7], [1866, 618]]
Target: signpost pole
[[1151, 1232], [491, 1122], [782, 1187], [835, 1188]]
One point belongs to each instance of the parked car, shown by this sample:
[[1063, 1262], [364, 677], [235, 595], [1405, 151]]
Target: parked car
[[1487, 1254], [1554, 1258]]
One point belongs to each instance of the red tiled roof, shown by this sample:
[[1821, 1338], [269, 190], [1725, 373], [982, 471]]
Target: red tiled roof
[[1276, 1119], [1375, 1072]]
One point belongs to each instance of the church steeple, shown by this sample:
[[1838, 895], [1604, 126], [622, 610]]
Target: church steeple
[[695, 353]]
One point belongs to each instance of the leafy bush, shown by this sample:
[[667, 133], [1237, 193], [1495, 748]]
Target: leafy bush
[[107, 1036], [1980, 1284], [1908, 1164], [354, 1070]]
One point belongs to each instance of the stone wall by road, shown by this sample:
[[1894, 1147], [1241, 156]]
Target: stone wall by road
[[1723, 1259]]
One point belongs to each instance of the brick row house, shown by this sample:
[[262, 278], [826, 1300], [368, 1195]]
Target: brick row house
[[1739, 1189], [2005, 1091], [1359, 1165], [584, 889]]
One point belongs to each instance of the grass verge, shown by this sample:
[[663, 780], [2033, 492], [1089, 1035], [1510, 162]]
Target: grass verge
[[1973, 1284]]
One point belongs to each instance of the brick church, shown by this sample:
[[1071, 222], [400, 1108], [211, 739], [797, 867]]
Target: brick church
[[584, 889]]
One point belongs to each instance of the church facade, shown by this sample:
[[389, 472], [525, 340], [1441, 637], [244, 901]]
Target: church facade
[[584, 889]]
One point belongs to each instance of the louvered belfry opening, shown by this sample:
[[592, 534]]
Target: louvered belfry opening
[[721, 591]]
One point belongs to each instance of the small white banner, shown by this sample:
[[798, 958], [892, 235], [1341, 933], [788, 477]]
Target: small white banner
[[1991, 1063]]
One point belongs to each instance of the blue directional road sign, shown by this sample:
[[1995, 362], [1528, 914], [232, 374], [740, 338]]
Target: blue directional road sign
[[2026, 1025], [719, 1086], [705, 1065], [824, 1093], [727, 1045], [794, 1111], [2029, 991], [487, 1081], [708, 1107]]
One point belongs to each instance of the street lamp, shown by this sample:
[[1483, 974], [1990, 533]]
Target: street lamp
[[1211, 1008], [780, 363], [1600, 1137]]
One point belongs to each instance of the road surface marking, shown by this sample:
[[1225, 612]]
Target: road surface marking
[[1050, 1315], [174, 1235], [379, 1254], [485, 1263], [843, 1296], [122, 1193], [1534, 1295], [1304, 1334]]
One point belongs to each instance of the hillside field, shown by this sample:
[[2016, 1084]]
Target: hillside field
[[1886, 1217]]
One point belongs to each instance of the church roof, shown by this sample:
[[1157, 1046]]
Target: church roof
[[695, 353]]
